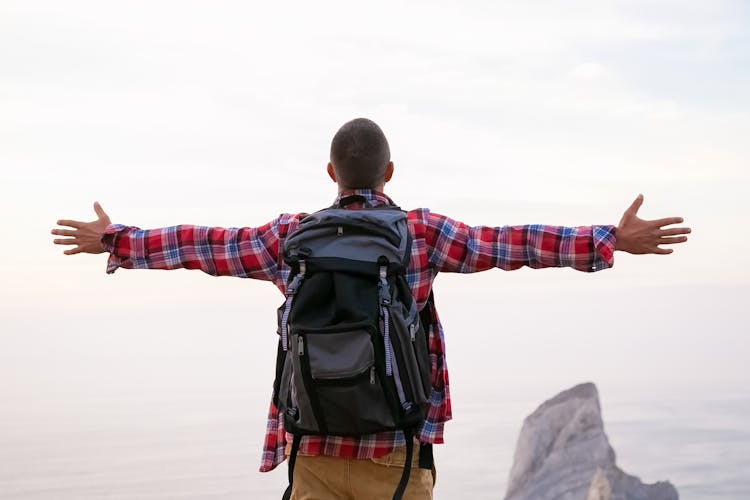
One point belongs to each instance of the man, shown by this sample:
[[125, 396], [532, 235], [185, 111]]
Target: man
[[360, 163]]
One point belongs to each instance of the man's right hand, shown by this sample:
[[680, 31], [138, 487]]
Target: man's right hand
[[638, 236], [87, 236]]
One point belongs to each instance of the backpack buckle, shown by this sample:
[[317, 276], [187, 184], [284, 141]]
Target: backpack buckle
[[385, 293]]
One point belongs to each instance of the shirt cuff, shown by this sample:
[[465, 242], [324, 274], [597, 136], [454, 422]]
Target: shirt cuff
[[604, 246], [109, 242]]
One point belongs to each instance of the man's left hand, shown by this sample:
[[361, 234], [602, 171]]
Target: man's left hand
[[86, 236]]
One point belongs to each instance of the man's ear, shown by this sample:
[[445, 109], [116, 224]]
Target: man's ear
[[331, 172], [388, 171]]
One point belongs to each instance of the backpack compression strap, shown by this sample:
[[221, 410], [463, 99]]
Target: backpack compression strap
[[426, 461], [409, 437], [292, 461]]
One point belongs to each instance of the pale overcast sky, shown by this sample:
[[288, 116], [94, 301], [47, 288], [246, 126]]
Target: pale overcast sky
[[221, 113]]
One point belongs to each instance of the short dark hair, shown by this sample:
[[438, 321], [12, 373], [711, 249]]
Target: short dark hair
[[360, 154]]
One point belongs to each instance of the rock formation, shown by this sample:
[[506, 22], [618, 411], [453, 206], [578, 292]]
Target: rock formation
[[563, 454]]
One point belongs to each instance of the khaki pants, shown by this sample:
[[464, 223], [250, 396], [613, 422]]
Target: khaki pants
[[329, 478]]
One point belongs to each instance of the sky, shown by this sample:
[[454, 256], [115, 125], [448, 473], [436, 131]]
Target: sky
[[221, 113]]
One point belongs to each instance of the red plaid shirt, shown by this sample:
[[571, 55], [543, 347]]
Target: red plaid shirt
[[440, 244]]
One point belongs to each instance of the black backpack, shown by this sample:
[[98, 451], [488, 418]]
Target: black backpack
[[352, 357]]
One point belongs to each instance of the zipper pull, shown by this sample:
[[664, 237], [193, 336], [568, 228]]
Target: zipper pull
[[372, 375], [300, 346], [413, 332], [340, 231]]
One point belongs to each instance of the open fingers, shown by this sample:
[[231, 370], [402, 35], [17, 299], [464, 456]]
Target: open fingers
[[65, 241], [661, 251], [673, 240], [667, 221], [63, 232], [633, 208], [73, 251], [70, 223], [674, 231], [99, 210]]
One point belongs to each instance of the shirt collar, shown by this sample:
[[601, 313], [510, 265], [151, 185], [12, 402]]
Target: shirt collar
[[372, 197]]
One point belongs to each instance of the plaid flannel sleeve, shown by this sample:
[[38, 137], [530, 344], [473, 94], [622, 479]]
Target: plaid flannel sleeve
[[455, 247], [242, 252]]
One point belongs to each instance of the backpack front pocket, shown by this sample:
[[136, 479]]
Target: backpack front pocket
[[336, 366]]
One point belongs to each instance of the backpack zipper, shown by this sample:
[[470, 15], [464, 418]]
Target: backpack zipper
[[354, 229], [291, 291], [385, 304]]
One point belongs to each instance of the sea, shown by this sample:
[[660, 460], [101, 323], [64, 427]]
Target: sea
[[206, 445], [163, 393]]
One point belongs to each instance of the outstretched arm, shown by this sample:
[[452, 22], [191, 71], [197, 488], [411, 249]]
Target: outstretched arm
[[638, 236], [248, 252], [455, 247]]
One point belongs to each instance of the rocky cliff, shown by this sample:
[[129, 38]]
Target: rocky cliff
[[563, 454]]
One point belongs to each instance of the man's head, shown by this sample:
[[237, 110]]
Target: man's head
[[360, 156]]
